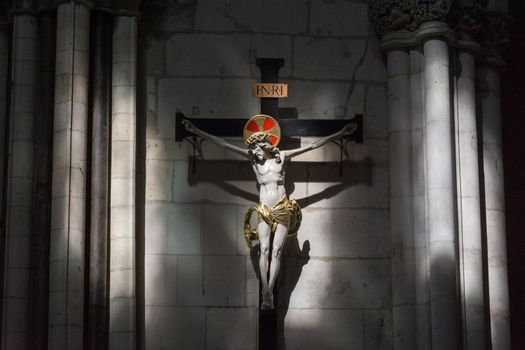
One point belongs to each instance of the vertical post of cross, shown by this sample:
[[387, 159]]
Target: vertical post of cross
[[269, 68]]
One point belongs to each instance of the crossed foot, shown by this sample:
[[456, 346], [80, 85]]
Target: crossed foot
[[267, 300]]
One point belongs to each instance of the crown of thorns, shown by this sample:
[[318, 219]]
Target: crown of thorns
[[258, 137]]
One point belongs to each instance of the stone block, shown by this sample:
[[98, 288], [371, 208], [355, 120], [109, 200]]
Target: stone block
[[122, 192], [20, 221], [124, 27], [155, 55], [25, 50], [21, 192], [15, 340], [173, 229], [160, 279], [252, 281], [175, 327], [80, 93], [208, 55], [81, 64], [376, 118], [123, 50], [16, 312], [123, 74], [122, 159], [122, 284], [159, 180], [252, 16], [224, 283], [25, 73], [319, 100], [24, 98], [231, 328], [18, 252], [219, 224], [339, 18], [318, 58], [164, 149], [219, 98], [372, 67], [273, 46], [17, 283], [362, 186], [326, 283], [323, 329], [346, 233], [121, 316], [123, 127], [190, 280], [23, 126], [124, 99], [63, 88], [122, 340], [122, 222], [122, 253], [378, 329], [183, 191], [76, 213], [402, 327]]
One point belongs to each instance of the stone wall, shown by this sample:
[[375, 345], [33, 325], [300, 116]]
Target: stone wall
[[201, 288]]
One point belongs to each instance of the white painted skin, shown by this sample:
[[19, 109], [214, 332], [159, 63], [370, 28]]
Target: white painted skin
[[268, 168]]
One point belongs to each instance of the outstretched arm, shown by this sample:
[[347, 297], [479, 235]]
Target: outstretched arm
[[214, 139], [347, 130]]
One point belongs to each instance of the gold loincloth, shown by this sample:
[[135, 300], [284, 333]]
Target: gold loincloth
[[286, 212]]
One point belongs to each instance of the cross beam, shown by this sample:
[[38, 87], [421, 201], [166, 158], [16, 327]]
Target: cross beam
[[289, 127]]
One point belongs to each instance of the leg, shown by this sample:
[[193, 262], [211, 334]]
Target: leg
[[278, 243], [264, 254]]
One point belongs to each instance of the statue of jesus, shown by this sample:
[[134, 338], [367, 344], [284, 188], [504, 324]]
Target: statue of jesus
[[277, 215]]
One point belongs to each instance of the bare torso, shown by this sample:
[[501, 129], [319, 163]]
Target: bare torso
[[270, 176]]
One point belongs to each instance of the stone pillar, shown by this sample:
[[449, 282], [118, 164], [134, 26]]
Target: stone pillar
[[20, 182], [122, 224], [43, 169], [469, 213], [5, 31], [398, 62], [440, 195], [489, 90], [419, 204], [66, 287], [98, 256], [489, 68]]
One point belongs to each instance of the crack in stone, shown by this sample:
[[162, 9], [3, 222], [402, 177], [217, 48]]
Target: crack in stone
[[352, 79]]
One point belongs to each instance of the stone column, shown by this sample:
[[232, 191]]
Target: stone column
[[419, 204], [20, 182], [469, 213], [43, 169], [489, 90], [440, 194], [122, 224], [489, 68], [5, 32], [99, 234], [66, 287], [398, 62]]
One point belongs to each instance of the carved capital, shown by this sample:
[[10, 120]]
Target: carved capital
[[495, 32], [466, 19], [391, 16], [431, 10], [494, 38]]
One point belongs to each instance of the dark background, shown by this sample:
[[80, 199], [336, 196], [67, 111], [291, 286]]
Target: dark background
[[513, 124]]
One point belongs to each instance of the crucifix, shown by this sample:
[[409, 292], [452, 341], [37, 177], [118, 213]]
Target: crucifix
[[277, 216]]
